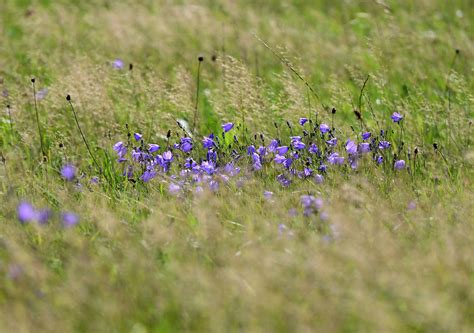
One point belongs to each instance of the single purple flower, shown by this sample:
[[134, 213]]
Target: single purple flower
[[257, 163], [288, 162], [153, 147], [117, 64], [148, 175], [120, 148], [334, 158], [41, 94], [384, 145], [137, 136], [322, 168], [268, 195], [69, 219], [186, 145], [227, 127], [313, 149], [332, 142], [396, 117], [366, 135], [283, 180], [400, 164], [26, 212], [213, 186], [208, 141], [282, 150], [273, 145], [250, 150], [68, 172], [351, 147], [167, 156], [208, 167], [379, 159], [174, 189], [44, 215], [303, 121], [318, 179], [307, 172], [324, 128], [297, 144], [364, 147]]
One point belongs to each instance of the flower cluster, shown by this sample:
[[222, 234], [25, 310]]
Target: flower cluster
[[214, 160], [27, 213]]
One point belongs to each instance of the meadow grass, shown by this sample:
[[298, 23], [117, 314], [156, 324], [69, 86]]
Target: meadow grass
[[394, 251]]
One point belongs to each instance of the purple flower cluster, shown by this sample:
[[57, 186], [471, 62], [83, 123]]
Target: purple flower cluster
[[27, 213], [307, 156]]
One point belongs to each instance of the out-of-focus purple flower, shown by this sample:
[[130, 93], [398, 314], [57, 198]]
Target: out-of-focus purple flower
[[262, 151], [117, 64], [351, 147], [319, 179], [334, 158], [26, 212], [208, 141], [281, 229], [68, 172], [379, 159], [364, 147], [95, 180], [272, 146], [313, 149], [250, 150], [41, 94], [44, 215], [120, 148], [279, 159], [213, 185], [311, 204], [324, 128], [227, 127], [307, 172], [15, 271], [324, 216], [411, 205], [69, 219], [332, 142], [366, 135], [399, 165], [231, 170], [283, 180], [174, 188], [211, 155], [208, 167], [153, 147], [384, 144], [282, 150], [137, 136], [268, 195], [303, 121], [186, 145], [396, 117], [5, 93]]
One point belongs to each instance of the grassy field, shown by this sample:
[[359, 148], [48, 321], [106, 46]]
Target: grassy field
[[368, 245]]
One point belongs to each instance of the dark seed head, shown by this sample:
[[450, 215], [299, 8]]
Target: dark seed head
[[68, 97], [435, 146], [33, 80], [168, 134], [358, 114], [333, 111], [201, 58], [214, 57], [458, 51], [130, 66]]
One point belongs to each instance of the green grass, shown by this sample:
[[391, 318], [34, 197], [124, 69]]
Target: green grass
[[141, 260]]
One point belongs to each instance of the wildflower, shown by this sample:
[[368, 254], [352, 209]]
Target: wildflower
[[318, 178], [322, 168], [262, 151], [297, 144], [44, 215], [69, 219], [26, 212], [68, 172], [148, 175], [411, 205], [174, 188], [95, 180], [332, 142], [399, 165], [324, 128], [268, 195], [366, 135], [137, 136], [313, 149], [396, 117], [379, 159], [282, 150], [41, 94], [364, 147], [211, 155], [208, 141], [279, 159], [117, 64], [273, 145], [351, 147], [307, 172], [167, 156], [213, 185], [152, 147], [250, 150], [303, 121], [288, 162], [283, 180], [257, 164], [384, 145], [208, 167], [186, 145], [334, 158], [227, 127], [120, 148]]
